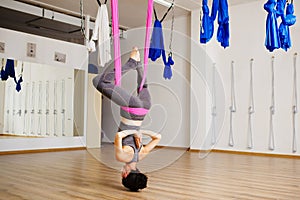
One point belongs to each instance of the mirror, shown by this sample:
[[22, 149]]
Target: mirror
[[46, 105]]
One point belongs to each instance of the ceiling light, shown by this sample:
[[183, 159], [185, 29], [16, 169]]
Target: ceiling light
[[163, 2]]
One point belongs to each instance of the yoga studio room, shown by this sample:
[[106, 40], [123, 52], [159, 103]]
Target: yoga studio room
[[150, 100]]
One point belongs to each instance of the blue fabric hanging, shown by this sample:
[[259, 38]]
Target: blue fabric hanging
[[168, 70], [272, 40], [4, 75], [220, 8], [207, 26], [18, 87], [223, 21], [157, 41], [284, 32], [10, 68], [157, 49], [280, 5]]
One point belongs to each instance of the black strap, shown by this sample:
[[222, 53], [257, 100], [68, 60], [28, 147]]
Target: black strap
[[164, 14], [155, 13], [167, 12], [99, 3]]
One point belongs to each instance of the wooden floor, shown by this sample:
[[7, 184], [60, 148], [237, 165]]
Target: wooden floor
[[82, 174]]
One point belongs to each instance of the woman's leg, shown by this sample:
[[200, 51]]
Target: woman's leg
[[105, 84]]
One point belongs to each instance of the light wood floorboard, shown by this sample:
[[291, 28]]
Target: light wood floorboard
[[94, 174]]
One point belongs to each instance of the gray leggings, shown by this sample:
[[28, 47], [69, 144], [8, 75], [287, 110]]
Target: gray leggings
[[105, 84]]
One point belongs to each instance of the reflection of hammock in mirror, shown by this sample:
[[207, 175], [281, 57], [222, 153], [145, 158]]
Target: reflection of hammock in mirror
[[63, 107], [55, 109], [25, 109], [295, 105], [32, 108], [47, 108], [7, 110], [39, 131]]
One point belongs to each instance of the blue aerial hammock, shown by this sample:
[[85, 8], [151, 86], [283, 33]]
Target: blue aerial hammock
[[207, 26], [223, 21], [18, 86], [9, 71], [288, 20], [219, 7], [278, 37], [272, 40], [157, 48]]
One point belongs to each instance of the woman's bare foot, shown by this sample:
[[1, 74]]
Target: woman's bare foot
[[135, 54]]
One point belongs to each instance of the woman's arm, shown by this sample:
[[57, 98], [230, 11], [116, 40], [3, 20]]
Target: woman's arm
[[121, 155], [155, 140]]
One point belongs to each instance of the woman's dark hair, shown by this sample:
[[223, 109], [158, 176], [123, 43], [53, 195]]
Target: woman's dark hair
[[135, 181]]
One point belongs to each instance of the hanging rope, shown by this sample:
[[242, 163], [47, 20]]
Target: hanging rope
[[232, 107], [47, 108], [295, 105], [250, 108], [63, 111], [32, 108], [82, 26], [172, 30], [54, 108], [214, 107], [25, 109], [14, 112], [39, 132], [7, 101], [272, 109]]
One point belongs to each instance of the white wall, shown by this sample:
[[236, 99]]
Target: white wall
[[94, 115], [202, 85], [247, 29], [169, 114]]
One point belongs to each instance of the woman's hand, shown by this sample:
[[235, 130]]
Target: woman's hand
[[138, 139]]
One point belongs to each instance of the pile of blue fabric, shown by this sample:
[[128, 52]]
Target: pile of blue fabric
[[279, 37]]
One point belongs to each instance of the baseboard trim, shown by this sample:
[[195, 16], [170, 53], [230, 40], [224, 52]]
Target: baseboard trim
[[41, 150], [175, 148], [17, 136], [247, 153]]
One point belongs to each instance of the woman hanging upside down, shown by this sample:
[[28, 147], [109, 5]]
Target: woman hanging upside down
[[128, 141]]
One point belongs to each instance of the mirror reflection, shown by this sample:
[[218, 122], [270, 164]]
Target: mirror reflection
[[38, 101]]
